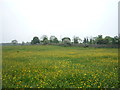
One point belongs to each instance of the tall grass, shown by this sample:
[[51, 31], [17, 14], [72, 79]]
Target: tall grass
[[59, 67]]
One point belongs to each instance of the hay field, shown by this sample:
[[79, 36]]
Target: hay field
[[59, 67]]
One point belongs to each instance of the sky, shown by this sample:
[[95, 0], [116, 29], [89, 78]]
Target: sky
[[24, 19]]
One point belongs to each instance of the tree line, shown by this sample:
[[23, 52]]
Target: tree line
[[76, 40]]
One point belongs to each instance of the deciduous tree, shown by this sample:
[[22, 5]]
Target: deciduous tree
[[35, 40]]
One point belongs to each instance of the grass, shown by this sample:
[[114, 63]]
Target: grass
[[59, 67]]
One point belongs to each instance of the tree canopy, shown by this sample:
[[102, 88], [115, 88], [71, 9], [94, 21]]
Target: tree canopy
[[14, 42], [35, 40]]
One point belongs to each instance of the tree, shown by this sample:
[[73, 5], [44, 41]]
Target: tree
[[53, 39], [99, 40], [84, 41], [116, 40], [35, 40], [87, 41], [14, 42], [91, 41], [45, 40], [94, 40], [108, 40], [23, 43], [76, 40], [66, 41], [27, 43], [42, 37], [66, 38], [56, 40]]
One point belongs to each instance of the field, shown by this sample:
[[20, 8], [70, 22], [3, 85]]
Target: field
[[59, 67]]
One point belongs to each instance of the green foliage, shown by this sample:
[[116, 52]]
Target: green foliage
[[91, 41], [53, 39], [108, 40], [35, 40], [66, 41], [76, 40], [56, 40], [45, 40], [14, 42], [84, 41], [116, 40], [99, 39], [23, 43]]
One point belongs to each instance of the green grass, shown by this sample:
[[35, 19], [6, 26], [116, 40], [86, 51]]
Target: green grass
[[59, 67]]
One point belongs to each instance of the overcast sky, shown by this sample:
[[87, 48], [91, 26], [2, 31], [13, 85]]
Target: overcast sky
[[24, 19]]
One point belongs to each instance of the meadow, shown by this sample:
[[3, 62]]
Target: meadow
[[59, 67]]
